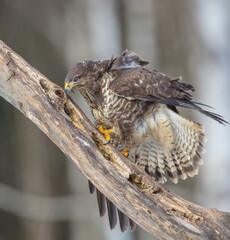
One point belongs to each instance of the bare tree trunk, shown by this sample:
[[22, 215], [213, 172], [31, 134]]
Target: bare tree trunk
[[154, 208]]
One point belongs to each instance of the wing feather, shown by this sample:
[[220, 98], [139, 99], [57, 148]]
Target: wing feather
[[143, 81], [153, 86]]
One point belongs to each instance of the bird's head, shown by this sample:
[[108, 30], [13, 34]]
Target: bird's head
[[83, 75]]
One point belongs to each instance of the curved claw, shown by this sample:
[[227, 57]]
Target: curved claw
[[107, 142], [108, 138], [120, 148]]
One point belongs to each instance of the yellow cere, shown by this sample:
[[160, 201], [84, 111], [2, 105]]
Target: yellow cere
[[67, 85]]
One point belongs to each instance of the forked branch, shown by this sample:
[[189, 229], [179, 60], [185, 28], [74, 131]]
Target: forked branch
[[154, 208]]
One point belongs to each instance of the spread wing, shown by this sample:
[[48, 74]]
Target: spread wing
[[149, 85]]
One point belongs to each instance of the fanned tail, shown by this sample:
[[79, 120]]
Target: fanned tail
[[172, 148]]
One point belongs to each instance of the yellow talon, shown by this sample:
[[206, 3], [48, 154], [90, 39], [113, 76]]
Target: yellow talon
[[101, 129], [106, 133], [125, 152], [107, 137]]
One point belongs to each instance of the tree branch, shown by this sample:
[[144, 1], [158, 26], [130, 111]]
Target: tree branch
[[154, 208]]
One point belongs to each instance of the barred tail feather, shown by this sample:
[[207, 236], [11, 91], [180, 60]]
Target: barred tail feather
[[172, 146]]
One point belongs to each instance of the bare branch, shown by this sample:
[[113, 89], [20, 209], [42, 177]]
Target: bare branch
[[154, 208]]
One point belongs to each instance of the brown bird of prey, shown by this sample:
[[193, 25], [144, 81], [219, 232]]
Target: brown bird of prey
[[135, 106]]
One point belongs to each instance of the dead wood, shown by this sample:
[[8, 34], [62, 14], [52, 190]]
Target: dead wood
[[153, 207]]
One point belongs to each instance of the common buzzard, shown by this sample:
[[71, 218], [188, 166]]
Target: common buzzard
[[135, 106]]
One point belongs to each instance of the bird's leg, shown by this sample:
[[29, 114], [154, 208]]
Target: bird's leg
[[106, 132]]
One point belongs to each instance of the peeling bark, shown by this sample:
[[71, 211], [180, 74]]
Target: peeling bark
[[153, 207]]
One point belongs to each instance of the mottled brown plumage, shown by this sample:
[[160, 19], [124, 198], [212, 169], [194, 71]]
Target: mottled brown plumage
[[139, 104]]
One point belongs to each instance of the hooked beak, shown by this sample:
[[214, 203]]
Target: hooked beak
[[67, 88]]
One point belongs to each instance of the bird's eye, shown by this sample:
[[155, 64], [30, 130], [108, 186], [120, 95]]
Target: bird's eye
[[76, 78]]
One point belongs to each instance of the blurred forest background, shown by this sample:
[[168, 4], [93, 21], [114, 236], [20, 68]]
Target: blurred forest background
[[42, 194]]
